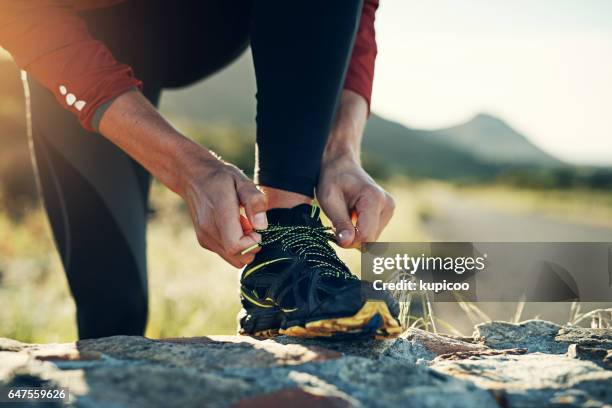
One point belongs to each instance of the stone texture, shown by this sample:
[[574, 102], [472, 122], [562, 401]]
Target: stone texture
[[540, 336], [509, 365], [294, 397], [599, 356], [535, 380], [600, 338], [533, 335]]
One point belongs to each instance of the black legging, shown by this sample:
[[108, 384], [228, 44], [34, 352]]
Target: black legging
[[96, 196]]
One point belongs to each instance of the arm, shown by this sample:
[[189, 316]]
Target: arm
[[52, 44], [213, 190], [49, 41], [360, 74], [346, 192]]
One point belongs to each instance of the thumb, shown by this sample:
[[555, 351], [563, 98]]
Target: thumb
[[337, 211]]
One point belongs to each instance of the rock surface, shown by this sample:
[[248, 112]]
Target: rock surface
[[532, 364]]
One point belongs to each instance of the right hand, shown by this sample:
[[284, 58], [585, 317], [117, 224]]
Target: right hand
[[214, 192]]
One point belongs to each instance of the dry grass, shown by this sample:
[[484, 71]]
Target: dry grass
[[194, 292]]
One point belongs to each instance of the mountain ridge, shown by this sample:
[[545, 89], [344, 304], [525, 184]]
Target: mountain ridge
[[510, 146]]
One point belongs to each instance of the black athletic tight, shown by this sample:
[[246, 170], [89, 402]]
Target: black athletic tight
[[96, 196]]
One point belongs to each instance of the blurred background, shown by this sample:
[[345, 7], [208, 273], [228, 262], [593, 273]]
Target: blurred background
[[491, 121]]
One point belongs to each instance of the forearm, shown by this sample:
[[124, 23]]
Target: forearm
[[347, 131], [136, 127]]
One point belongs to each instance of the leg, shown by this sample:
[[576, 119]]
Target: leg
[[94, 194], [204, 37], [301, 53], [96, 200]]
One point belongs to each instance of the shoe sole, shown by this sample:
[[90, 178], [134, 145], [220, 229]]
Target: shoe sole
[[373, 319], [265, 334], [259, 322]]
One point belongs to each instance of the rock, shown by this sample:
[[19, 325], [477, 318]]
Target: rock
[[418, 369], [220, 371], [403, 348], [597, 355], [208, 353], [11, 345], [541, 336], [533, 335], [462, 355], [296, 398], [438, 344], [600, 338], [535, 380]]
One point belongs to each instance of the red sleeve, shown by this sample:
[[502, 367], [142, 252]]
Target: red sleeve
[[360, 74], [49, 41]]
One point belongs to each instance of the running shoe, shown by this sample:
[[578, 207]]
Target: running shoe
[[298, 286]]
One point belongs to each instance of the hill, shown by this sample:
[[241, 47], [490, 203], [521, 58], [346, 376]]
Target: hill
[[492, 140], [223, 108], [416, 153]]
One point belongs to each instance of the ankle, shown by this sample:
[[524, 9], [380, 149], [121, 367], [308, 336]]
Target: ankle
[[284, 199]]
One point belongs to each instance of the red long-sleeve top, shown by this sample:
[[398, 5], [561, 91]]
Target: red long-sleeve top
[[51, 42]]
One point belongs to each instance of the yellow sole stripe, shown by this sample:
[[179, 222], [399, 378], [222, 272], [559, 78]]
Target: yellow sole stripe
[[330, 327]]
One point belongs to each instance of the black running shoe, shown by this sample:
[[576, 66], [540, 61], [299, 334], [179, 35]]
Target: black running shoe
[[298, 286]]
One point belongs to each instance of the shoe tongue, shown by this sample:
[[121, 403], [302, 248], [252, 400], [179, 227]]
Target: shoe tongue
[[303, 214]]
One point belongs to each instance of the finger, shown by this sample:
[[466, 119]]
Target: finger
[[338, 213], [386, 212], [248, 247], [368, 217], [238, 261], [227, 221], [254, 202], [253, 249], [218, 249]]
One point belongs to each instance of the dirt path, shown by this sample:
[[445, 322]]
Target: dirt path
[[457, 218]]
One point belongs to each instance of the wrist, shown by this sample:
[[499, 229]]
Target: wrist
[[341, 150], [192, 164], [345, 139]]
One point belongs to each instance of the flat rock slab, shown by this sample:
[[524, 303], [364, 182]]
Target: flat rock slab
[[418, 369], [541, 336], [535, 379]]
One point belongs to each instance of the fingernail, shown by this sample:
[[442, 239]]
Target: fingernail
[[256, 237], [260, 221], [344, 234]]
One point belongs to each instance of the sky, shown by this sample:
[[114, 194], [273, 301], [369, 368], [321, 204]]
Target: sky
[[543, 66]]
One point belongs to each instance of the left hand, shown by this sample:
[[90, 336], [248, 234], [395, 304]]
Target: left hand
[[345, 192]]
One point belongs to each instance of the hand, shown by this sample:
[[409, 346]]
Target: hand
[[345, 192], [214, 192]]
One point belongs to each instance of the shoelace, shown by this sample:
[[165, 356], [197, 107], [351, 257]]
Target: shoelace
[[309, 243]]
